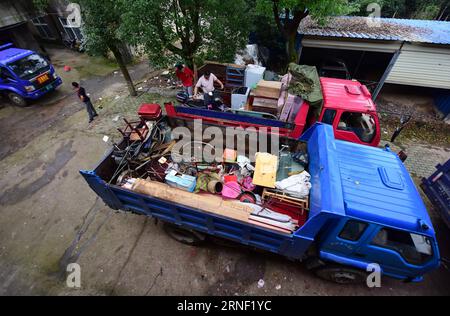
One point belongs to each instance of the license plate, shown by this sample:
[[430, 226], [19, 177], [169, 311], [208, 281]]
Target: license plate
[[43, 79]]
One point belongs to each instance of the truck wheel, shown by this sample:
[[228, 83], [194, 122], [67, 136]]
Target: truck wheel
[[17, 99], [187, 237], [341, 275]]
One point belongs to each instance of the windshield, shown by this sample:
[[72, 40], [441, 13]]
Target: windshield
[[363, 125], [415, 249], [28, 67]]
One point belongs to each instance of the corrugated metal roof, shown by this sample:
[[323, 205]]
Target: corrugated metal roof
[[423, 69], [419, 31]]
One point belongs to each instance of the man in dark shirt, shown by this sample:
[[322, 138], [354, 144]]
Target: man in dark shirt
[[81, 92]]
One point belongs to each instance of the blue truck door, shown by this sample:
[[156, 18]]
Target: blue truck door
[[402, 253], [347, 239], [7, 79]]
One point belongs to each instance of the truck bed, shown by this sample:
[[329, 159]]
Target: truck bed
[[212, 223], [285, 129], [325, 194]]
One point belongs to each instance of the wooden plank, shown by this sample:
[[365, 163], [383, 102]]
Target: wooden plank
[[282, 196], [206, 202], [254, 221]]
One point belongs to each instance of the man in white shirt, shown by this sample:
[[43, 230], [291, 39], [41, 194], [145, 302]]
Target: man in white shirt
[[206, 83]]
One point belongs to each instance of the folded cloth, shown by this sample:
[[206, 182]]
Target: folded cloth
[[297, 185], [267, 213], [267, 216]]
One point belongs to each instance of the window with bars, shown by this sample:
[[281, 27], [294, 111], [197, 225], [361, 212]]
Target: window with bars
[[42, 26], [74, 33]]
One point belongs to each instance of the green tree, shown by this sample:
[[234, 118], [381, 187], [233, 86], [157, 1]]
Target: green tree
[[408, 9], [187, 29], [288, 15], [101, 22]]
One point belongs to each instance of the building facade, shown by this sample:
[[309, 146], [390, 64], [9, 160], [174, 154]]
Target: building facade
[[395, 51]]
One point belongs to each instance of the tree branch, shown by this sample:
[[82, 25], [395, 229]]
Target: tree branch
[[195, 17], [163, 38], [276, 14], [298, 17]]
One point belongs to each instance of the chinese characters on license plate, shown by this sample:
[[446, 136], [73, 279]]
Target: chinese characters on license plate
[[43, 79]]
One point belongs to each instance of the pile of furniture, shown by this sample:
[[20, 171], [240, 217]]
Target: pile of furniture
[[231, 184]]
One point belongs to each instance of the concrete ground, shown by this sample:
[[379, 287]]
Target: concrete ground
[[49, 217]]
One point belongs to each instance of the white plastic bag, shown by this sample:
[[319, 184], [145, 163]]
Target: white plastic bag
[[297, 185]]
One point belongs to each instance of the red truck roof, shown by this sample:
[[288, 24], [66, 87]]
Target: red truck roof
[[346, 94]]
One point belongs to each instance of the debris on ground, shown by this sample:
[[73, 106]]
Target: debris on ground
[[425, 126], [261, 283]]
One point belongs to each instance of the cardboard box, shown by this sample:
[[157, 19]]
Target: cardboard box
[[265, 170], [268, 89]]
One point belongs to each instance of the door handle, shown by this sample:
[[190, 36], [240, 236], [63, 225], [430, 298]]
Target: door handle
[[360, 255]]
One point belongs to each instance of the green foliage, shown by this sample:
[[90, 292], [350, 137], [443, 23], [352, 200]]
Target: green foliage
[[288, 15], [317, 9], [428, 11], [407, 9], [189, 29], [40, 5], [101, 20]]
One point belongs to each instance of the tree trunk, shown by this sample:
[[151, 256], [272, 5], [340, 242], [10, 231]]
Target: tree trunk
[[289, 29], [291, 50], [123, 68]]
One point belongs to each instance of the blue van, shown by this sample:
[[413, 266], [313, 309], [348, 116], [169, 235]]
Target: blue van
[[25, 75]]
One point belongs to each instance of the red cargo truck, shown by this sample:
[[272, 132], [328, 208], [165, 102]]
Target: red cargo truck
[[347, 106]]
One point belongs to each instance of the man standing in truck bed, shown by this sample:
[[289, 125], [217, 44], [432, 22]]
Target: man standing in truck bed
[[81, 92]]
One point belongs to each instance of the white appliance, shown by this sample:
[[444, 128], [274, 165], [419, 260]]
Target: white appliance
[[238, 100], [253, 74]]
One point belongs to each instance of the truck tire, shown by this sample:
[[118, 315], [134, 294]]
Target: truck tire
[[17, 99], [184, 236], [341, 275]]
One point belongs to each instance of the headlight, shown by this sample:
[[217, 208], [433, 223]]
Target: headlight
[[55, 76], [30, 88]]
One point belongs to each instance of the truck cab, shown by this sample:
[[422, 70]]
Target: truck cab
[[349, 108], [25, 75], [374, 213]]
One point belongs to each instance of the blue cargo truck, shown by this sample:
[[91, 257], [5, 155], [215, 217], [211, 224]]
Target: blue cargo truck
[[437, 189], [363, 208], [25, 75]]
